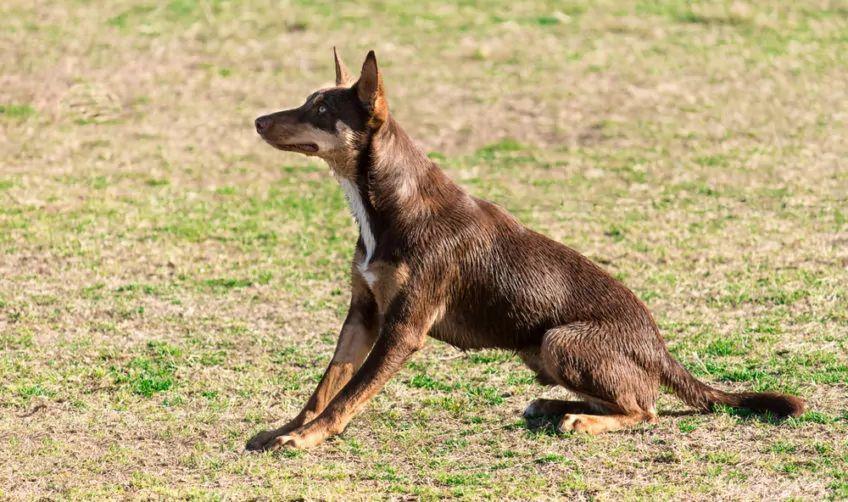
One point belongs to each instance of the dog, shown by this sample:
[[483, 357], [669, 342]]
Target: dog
[[433, 260]]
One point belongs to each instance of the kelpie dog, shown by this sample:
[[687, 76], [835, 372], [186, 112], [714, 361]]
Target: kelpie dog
[[433, 260]]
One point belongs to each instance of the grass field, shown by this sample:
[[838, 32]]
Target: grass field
[[169, 285]]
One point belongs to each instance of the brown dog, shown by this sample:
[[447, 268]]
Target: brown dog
[[433, 260]]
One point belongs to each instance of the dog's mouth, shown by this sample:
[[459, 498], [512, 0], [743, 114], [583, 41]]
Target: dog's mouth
[[296, 147]]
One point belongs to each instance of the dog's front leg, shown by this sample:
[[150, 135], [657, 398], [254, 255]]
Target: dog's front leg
[[402, 334], [357, 337]]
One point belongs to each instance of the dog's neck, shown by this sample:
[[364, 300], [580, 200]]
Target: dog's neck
[[396, 169], [392, 183]]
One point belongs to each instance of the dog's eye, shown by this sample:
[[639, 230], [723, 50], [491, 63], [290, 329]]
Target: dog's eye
[[322, 109]]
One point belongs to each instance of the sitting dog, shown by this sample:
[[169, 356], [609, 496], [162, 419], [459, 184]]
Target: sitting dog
[[433, 260]]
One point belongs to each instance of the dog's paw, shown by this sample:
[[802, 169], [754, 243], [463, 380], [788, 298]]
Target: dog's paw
[[573, 423], [285, 442], [261, 441]]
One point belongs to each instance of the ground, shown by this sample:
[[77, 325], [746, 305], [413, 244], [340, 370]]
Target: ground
[[169, 285]]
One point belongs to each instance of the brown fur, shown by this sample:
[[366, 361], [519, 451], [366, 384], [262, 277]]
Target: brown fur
[[390, 281], [433, 260]]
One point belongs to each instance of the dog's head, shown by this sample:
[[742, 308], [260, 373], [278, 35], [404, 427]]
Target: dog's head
[[334, 122]]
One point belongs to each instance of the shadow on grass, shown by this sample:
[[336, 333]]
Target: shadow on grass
[[745, 415], [547, 425], [542, 426]]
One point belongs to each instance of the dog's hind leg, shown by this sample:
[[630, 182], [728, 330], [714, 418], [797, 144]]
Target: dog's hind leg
[[548, 407], [533, 359], [555, 407], [596, 424], [606, 417], [584, 358]]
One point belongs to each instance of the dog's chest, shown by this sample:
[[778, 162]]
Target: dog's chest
[[383, 279], [357, 208]]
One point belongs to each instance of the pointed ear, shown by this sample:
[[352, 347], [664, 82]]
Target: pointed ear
[[369, 88], [342, 75]]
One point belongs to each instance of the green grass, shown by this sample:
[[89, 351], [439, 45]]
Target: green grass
[[16, 111], [169, 285]]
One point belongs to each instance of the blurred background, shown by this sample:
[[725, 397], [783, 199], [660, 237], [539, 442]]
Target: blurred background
[[169, 284]]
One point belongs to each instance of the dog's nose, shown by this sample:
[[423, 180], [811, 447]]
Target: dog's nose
[[262, 124]]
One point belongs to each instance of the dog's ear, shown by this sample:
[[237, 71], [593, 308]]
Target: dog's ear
[[342, 75], [369, 88]]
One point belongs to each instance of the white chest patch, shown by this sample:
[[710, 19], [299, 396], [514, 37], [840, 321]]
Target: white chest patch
[[358, 209]]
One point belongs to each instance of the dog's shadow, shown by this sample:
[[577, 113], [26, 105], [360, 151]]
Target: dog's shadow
[[543, 425], [548, 424]]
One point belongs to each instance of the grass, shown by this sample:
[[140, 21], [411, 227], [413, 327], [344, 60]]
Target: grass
[[169, 285]]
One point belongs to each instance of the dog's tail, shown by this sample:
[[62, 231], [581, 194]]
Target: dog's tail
[[700, 395]]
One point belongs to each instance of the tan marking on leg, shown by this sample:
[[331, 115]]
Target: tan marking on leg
[[389, 280], [393, 348], [596, 424], [335, 377], [356, 339], [310, 435], [351, 351], [360, 291], [353, 347]]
